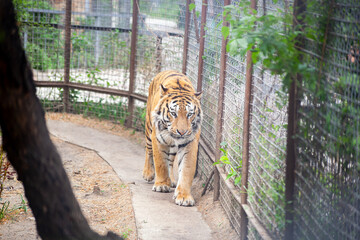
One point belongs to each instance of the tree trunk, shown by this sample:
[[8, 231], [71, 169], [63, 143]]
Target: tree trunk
[[27, 143]]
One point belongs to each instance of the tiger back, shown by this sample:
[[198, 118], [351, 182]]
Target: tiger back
[[172, 130]]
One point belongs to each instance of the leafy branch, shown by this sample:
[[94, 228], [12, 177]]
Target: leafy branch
[[224, 160], [270, 38]]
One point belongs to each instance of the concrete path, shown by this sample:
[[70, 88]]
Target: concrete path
[[157, 216]]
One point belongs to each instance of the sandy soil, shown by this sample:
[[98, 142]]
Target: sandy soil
[[105, 200]]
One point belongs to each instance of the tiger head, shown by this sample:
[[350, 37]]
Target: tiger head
[[178, 113]]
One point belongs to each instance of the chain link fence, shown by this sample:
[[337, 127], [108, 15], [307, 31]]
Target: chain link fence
[[112, 61], [327, 188]]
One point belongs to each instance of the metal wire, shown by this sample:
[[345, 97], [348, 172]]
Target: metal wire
[[327, 186]]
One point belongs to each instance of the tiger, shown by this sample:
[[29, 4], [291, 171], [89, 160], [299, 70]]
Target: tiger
[[172, 133]]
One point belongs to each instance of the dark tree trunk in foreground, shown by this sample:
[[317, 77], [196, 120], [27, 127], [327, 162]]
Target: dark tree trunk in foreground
[[27, 143]]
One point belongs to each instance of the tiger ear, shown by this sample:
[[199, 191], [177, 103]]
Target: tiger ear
[[198, 95], [163, 90]]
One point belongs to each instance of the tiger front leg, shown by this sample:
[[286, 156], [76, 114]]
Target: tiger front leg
[[172, 161], [162, 179], [148, 171], [187, 167]]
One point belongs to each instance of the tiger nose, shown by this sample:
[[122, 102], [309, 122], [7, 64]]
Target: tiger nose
[[181, 132]]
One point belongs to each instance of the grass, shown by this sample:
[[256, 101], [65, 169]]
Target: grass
[[4, 209], [6, 213], [126, 233]]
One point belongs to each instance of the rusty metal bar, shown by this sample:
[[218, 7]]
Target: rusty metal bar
[[196, 29], [134, 32], [220, 113], [67, 49], [158, 54], [299, 9], [91, 88], [186, 37], [246, 139], [202, 45]]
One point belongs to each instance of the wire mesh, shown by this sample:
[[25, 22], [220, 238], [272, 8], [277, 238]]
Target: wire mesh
[[266, 190], [192, 61], [160, 40], [211, 72], [234, 112], [327, 187], [98, 105], [204, 164], [42, 37], [252, 233], [100, 43], [231, 206]]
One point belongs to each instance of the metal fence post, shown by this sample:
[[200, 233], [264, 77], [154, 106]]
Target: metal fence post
[[158, 54], [186, 37], [246, 139], [202, 45], [220, 113], [299, 9], [134, 32], [67, 49]]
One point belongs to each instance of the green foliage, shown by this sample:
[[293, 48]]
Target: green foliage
[[139, 118], [4, 166], [126, 233], [166, 9], [44, 45], [4, 209], [191, 6], [21, 206], [224, 160], [270, 39]]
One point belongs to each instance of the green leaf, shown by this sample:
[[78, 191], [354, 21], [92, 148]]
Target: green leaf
[[237, 180], [242, 43], [225, 31], [223, 144], [231, 174], [216, 163], [191, 6], [223, 150], [224, 159], [197, 13]]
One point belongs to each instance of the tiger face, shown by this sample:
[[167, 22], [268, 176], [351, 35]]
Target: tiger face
[[178, 113]]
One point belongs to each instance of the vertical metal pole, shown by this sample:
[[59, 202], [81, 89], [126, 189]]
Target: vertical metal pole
[[134, 31], [220, 113], [67, 49], [186, 37], [158, 53], [202, 45], [290, 163], [299, 9], [246, 139]]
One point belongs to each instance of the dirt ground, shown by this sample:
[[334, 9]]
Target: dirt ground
[[105, 200]]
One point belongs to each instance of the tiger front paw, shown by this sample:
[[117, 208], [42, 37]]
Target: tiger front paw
[[182, 199], [161, 187], [148, 175]]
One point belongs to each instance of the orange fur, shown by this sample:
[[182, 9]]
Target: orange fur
[[172, 130]]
